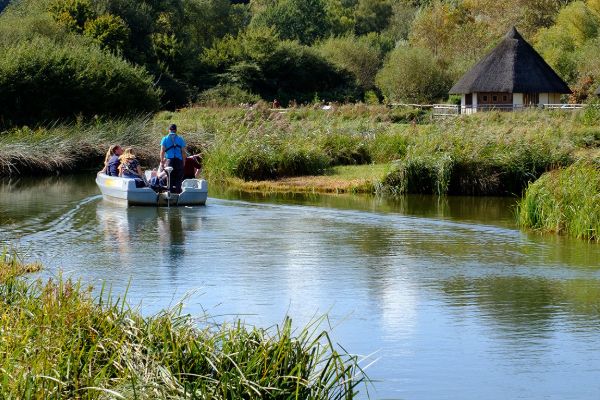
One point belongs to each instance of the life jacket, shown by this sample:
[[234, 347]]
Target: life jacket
[[174, 145]]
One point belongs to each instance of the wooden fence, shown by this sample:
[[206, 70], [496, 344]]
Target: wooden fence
[[452, 110]]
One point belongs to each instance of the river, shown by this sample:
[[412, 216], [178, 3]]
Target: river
[[447, 296]]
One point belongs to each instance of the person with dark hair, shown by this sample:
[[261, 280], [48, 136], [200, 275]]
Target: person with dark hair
[[173, 154], [193, 165]]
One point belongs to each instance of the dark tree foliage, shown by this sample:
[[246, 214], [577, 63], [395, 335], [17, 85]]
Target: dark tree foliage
[[302, 20], [43, 81], [261, 63]]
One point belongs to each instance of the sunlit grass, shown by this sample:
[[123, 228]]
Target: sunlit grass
[[565, 201], [339, 179], [485, 154]]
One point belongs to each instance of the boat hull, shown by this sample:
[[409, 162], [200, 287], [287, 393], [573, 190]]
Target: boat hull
[[123, 190]]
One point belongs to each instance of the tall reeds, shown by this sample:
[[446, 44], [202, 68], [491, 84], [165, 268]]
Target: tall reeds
[[71, 147], [57, 341], [565, 201], [486, 154]]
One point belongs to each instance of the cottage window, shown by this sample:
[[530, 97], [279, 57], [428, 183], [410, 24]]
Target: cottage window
[[485, 98], [494, 98], [505, 98]]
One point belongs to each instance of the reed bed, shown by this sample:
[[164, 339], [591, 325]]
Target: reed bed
[[58, 342], [486, 154], [565, 201], [71, 147]]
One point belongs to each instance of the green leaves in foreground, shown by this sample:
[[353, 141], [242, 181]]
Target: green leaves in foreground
[[565, 201], [57, 342]]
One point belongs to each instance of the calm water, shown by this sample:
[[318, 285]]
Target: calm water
[[453, 301]]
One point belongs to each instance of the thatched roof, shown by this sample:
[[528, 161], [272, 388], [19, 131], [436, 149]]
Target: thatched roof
[[512, 67]]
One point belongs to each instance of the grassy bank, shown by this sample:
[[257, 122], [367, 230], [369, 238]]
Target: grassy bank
[[339, 179], [485, 154], [58, 341], [565, 201]]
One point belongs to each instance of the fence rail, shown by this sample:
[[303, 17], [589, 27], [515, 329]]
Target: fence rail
[[450, 110]]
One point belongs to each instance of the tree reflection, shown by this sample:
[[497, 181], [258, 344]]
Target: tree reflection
[[527, 305]]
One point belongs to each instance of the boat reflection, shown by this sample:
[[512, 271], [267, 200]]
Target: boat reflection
[[157, 232]]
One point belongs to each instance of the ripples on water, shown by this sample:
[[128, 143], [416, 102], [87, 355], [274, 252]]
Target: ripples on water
[[456, 302]]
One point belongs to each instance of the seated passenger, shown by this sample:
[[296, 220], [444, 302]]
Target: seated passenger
[[192, 167], [130, 167], [111, 161], [158, 179]]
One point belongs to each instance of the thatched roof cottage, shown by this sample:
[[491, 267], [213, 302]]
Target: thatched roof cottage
[[512, 76]]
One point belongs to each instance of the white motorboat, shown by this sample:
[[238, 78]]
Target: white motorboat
[[194, 192]]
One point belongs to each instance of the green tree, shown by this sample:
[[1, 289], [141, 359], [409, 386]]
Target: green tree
[[372, 16], [109, 31], [73, 14], [401, 20], [340, 14], [208, 20], [302, 20], [412, 75], [45, 80], [575, 26], [259, 62], [362, 56]]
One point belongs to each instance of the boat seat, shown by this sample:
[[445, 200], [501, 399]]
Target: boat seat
[[190, 184]]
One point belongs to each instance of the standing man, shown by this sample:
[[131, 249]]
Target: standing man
[[173, 154]]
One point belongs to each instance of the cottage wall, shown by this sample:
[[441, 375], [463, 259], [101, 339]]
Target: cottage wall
[[518, 99], [554, 98]]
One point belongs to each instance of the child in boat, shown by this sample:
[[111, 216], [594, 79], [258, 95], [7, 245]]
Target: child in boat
[[130, 166], [158, 179], [111, 161]]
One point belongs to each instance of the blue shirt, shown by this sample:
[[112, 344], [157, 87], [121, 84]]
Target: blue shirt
[[112, 168], [173, 145], [131, 170]]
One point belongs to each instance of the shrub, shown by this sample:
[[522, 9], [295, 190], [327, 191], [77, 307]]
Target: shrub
[[359, 55], [345, 149], [227, 95], [44, 80], [261, 161], [565, 201], [408, 115], [73, 14], [411, 75]]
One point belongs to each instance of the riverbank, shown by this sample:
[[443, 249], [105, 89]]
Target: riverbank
[[299, 149], [340, 179], [565, 201], [59, 341]]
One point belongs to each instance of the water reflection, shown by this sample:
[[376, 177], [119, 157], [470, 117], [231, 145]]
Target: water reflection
[[528, 306]]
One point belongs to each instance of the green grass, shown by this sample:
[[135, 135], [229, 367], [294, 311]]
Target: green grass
[[339, 179], [59, 342], [485, 154], [369, 171], [11, 265], [565, 201]]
